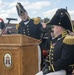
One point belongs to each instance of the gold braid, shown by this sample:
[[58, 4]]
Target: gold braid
[[70, 21], [19, 7]]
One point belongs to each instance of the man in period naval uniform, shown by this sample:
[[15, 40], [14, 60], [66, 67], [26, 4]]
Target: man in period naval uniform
[[61, 54], [30, 27]]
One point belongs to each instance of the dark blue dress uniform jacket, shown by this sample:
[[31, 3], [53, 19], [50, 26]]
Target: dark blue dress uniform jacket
[[61, 55], [30, 29]]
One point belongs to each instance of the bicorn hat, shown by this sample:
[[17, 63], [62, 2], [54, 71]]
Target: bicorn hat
[[61, 18], [20, 9]]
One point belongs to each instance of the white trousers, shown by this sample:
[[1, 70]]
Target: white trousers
[[39, 58], [61, 72]]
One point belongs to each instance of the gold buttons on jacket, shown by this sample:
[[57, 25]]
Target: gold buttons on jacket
[[50, 50], [28, 34], [52, 62], [28, 31], [23, 29], [27, 28], [52, 54], [52, 58]]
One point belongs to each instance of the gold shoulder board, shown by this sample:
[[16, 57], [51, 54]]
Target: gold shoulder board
[[36, 20], [69, 40]]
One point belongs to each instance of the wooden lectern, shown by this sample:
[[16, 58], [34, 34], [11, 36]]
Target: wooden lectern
[[18, 55]]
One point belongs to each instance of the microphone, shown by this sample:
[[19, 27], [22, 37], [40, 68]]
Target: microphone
[[11, 19]]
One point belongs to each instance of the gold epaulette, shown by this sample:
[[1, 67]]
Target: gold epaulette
[[17, 26], [36, 20], [69, 40]]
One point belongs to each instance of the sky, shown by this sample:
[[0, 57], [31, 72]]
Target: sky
[[35, 8]]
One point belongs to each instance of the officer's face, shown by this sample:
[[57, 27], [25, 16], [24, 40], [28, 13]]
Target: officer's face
[[56, 30], [23, 16]]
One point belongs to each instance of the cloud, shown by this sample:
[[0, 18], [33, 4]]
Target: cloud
[[72, 14], [49, 13], [34, 12], [7, 10], [36, 8], [1, 5], [56, 2], [35, 5]]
